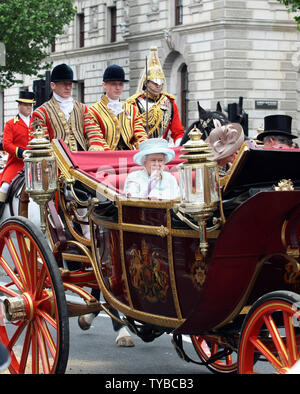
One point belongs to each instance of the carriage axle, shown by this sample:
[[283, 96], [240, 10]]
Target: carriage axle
[[18, 308]]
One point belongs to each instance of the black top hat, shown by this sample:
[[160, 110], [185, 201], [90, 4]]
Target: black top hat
[[277, 125], [114, 73], [62, 73], [26, 97]]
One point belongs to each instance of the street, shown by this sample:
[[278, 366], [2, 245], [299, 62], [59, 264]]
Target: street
[[95, 352]]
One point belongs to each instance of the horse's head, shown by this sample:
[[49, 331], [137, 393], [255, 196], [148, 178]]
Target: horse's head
[[206, 121]]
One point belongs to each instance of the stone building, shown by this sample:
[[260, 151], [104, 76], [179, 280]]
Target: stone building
[[211, 50]]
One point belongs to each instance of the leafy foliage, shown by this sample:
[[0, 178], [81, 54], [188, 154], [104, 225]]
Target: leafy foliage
[[27, 28], [293, 6]]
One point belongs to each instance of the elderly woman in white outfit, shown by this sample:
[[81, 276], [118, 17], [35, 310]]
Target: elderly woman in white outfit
[[152, 182]]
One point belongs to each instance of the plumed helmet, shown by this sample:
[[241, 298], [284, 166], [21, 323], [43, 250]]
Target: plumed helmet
[[154, 71]]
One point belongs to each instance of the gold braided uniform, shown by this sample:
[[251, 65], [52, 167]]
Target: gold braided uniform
[[80, 132], [123, 131], [162, 115]]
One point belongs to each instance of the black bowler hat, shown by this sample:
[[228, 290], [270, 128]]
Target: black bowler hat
[[62, 73], [26, 97], [277, 125], [114, 73]]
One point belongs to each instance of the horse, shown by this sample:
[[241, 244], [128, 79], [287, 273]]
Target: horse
[[206, 122]]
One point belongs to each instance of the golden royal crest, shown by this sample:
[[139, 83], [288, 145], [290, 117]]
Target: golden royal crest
[[147, 274]]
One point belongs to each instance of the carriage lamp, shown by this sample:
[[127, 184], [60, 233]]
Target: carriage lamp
[[40, 170], [199, 185]]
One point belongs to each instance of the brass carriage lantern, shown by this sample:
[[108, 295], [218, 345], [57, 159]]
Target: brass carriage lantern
[[40, 170], [199, 185]]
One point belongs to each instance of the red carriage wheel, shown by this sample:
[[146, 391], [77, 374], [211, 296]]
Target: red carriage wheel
[[208, 348], [35, 325], [271, 333]]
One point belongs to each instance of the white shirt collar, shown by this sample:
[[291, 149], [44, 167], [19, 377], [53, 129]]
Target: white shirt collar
[[65, 104], [26, 119], [116, 106], [62, 99]]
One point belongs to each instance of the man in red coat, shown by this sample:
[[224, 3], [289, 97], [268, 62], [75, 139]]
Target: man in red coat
[[15, 141], [158, 109]]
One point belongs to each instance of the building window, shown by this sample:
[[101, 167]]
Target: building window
[[113, 23], [178, 12], [80, 24], [184, 95]]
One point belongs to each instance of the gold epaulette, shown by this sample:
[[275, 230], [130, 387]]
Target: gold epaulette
[[168, 95], [132, 99], [16, 119]]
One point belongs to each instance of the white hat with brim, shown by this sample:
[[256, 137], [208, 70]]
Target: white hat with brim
[[151, 146]]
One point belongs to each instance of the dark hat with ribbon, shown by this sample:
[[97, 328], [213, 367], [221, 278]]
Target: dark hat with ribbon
[[26, 97], [62, 73], [277, 125], [114, 73]]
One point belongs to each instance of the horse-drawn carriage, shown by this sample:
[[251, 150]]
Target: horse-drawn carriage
[[220, 265]]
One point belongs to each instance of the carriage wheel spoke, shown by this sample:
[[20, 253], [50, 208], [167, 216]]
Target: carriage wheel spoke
[[25, 350], [16, 260], [291, 341], [36, 338], [11, 274], [25, 258], [34, 264], [10, 343], [279, 344], [47, 336], [6, 290], [42, 350], [40, 282], [48, 318], [266, 352], [35, 352]]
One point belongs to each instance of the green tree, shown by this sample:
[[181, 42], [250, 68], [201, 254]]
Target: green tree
[[293, 6], [27, 29]]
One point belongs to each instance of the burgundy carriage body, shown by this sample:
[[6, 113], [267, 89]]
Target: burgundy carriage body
[[148, 263]]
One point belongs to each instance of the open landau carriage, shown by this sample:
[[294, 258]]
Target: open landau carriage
[[220, 265]]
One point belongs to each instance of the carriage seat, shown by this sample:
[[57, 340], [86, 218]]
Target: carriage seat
[[117, 181], [109, 167]]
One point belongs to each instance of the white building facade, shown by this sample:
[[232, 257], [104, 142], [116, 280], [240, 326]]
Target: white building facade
[[210, 50]]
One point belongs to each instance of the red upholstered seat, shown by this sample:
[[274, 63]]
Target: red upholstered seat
[[111, 167]]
